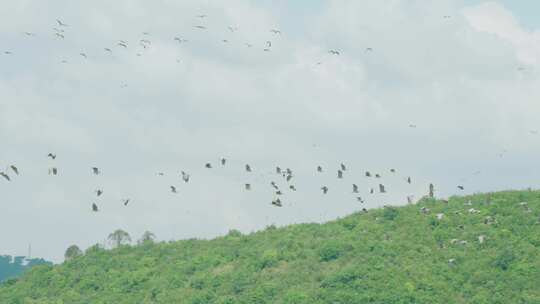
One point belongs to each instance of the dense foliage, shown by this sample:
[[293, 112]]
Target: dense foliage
[[483, 249], [11, 267]]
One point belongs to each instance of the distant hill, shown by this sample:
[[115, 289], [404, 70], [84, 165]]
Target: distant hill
[[476, 249], [12, 267]]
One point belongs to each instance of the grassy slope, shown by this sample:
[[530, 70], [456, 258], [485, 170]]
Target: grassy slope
[[385, 256]]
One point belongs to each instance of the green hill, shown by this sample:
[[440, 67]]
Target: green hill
[[12, 267], [484, 249]]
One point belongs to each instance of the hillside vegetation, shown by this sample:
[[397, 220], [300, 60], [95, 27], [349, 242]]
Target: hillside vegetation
[[484, 249], [12, 267]]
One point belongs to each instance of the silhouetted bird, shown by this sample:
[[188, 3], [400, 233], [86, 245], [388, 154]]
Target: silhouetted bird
[[277, 203], [247, 186], [334, 52], [14, 169], [339, 174], [95, 207], [278, 170], [289, 177], [99, 192], [324, 189], [371, 191], [393, 170], [343, 168], [377, 175], [223, 161], [319, 169], [248, 168], [185, 177], [461, 187], [274, 185], [381, 188], [208, 165], [4, 175], [368, 174], [409, 179], [60, 23], [95, 170], [52, 156], [355, 188], [126, 202], [358, 198], [292, 187], [53, 171], [173, 189]]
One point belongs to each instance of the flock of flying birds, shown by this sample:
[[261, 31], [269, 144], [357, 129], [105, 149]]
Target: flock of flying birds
[[286, 174], [60, 31]]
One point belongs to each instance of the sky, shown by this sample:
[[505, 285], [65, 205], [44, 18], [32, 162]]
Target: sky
[[469, 83]]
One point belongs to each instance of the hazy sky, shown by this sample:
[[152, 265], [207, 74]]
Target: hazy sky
[[470, 84]]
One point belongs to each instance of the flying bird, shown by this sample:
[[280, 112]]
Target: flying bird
[[180, 40], [324, 189], [393, 170], [60, 23], [368, 174], [247, 186], [202, 16], [343, 168], [126, 202], [371, 191], [319, 169], [122, 44], [377, 175], [173, 189], [248, 168], [232, 28], [53, 171], [269, 43], [14, 169], [289, 177], [29, 34], [381, 188], [95, 207], [412, 126], [333, 52], [223, 161], [59, 35], [8, 52], [292, 187], [277, 203], [275, 31], [185, 177], [52, 156], [274, 185], [202, 27], [279, 192], [358, 198], [208, 165], [99, 192], [95, 170], [369, 49], [339, 174], [108, 50], [278, 170], [409, 179], [83, 55], [355, 188], [4, 175], [461, 187]]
